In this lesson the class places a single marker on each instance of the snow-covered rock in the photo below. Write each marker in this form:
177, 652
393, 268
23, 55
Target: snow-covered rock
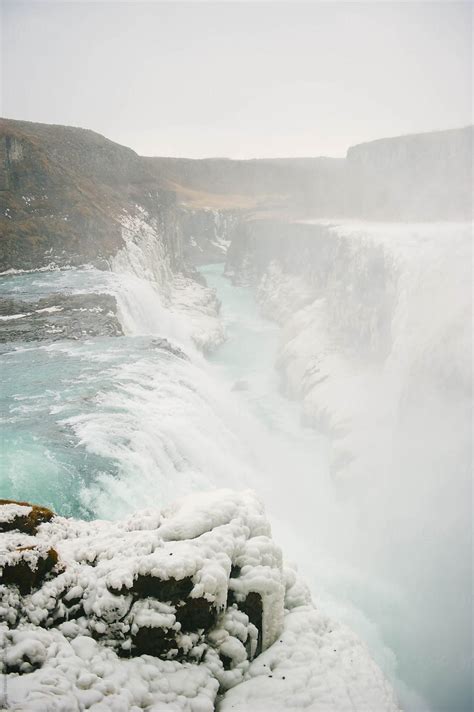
22, 516
171, 610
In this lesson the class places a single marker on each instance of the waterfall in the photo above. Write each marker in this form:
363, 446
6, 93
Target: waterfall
152, 300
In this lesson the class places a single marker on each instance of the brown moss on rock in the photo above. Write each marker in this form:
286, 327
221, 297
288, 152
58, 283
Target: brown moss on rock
26, 523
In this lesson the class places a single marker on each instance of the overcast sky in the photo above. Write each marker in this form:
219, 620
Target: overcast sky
238, 79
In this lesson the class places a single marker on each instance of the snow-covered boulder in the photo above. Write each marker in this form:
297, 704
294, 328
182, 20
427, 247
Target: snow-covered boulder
170, 610
22, 516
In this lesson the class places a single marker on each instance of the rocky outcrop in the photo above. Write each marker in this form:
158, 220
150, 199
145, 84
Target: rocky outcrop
22, 516
165, 345
166, 608
65, 193
25, 567
206, 233
69, 196
165, 585
59, 316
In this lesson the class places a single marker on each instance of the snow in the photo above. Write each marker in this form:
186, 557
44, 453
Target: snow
78, 673
316, 664
14, 553
50, 310
9, 512
65, 646
9, 317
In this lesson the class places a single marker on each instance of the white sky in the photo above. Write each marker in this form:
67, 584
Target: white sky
238, 79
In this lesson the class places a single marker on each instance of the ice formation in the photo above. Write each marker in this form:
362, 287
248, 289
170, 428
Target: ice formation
189, 609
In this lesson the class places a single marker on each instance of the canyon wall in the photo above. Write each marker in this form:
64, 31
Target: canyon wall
65, 193
69, 196
418, 177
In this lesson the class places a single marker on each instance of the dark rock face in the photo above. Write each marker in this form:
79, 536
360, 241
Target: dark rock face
153, 641
206, 233
253, 607
171, 590
59, 316
196, 613
419, 177
25, 574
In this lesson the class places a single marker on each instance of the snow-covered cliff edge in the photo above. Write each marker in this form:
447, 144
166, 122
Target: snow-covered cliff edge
186, 609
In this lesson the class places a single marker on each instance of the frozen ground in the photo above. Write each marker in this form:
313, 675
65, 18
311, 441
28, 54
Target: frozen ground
170, 591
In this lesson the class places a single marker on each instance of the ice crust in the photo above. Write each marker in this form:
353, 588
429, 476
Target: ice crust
71, 644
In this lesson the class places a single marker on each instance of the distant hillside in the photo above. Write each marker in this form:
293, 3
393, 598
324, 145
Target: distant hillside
64, 191
417, 177
292, 185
